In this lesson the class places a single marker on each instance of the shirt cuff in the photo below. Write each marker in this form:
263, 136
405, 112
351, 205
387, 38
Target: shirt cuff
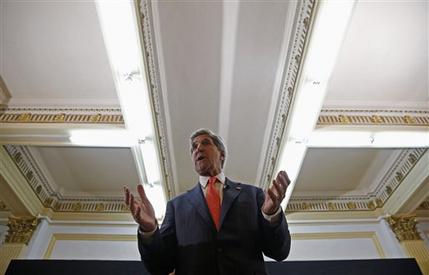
274, 217
146, 235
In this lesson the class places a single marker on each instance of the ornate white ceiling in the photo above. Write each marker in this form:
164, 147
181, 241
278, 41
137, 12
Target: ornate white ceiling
228, 66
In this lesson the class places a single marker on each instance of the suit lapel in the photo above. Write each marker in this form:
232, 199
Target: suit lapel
230, 192
197, 199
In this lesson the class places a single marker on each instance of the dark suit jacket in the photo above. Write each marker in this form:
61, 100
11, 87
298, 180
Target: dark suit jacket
189, 242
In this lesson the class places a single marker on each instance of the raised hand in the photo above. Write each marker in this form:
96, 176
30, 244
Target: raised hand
141, 209
275, 193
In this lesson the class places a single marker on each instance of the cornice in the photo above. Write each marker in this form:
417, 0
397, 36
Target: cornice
61, 115
18, 184
304, 21
374, 199
373, 117
153, 73
51, 199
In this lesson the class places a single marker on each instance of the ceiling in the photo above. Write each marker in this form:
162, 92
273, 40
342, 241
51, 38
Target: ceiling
233, 67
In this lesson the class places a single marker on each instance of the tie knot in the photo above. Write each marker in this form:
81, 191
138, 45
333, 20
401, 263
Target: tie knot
212, 180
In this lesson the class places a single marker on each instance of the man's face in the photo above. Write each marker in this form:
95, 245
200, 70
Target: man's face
207, 158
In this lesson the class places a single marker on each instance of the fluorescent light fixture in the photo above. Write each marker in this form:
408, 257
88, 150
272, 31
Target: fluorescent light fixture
121, 36
118, 20
150, 161
369, 139
326, 38
102, 138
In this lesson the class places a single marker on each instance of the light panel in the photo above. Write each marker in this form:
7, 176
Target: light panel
330, 24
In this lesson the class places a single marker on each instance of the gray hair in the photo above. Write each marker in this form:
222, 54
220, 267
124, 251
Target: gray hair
217, 140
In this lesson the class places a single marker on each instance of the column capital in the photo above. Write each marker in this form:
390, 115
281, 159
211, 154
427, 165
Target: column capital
404, 227
20, 229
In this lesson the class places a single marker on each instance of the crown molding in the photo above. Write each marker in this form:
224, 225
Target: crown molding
401, 168
61, 115
15, 188
159, 106
414, 189
305, 15
38, 185
386, 117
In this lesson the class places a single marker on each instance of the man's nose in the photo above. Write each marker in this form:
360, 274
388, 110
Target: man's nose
199, 147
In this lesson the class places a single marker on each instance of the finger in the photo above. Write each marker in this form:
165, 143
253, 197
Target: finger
127, 196
273, 196
281, 178
280, 188
137, 216
132, 205
142, 193
286, 177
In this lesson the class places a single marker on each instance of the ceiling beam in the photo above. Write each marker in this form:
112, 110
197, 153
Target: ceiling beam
330, 24
15, 192
412, 191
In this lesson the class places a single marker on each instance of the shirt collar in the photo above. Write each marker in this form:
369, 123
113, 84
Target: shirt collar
203, 180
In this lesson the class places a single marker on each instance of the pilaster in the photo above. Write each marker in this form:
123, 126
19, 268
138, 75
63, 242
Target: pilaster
405, 230
19, 234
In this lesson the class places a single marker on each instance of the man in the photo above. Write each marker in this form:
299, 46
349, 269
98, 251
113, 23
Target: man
218, 227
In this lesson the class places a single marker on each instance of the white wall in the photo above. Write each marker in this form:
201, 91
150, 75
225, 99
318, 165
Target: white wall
101, 241
311, 240
329, 240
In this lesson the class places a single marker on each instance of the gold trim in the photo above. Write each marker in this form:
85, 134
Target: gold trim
304, 20
342, 235
370, 201
84, 237
348, 119
404, 227
62, 117
20, 229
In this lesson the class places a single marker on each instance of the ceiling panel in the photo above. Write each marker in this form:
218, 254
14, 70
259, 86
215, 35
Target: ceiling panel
88, 171
383, 62
53, 54
342, 170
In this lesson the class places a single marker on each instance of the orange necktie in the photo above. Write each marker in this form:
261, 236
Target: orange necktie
213, 201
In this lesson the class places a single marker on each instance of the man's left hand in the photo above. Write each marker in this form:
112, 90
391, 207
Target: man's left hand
275, 194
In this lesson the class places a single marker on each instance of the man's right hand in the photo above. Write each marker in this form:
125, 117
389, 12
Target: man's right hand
141, 209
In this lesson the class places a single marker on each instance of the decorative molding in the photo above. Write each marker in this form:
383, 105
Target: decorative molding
391, 180
373, 117
85, 237
304, 21
20, 229
404, 227
342, 235
40, 185
61, 115
152, 65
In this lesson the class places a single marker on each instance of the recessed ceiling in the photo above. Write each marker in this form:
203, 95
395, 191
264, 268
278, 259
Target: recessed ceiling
220, 65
